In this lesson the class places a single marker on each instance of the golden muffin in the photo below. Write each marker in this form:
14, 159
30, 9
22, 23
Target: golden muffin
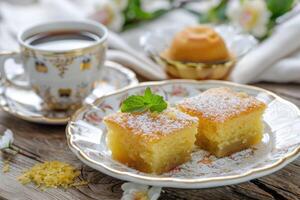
198, 52
198, 44
228, 121
151, 142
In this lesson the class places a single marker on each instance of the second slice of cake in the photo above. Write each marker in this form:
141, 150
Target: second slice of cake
228, 121
151, 142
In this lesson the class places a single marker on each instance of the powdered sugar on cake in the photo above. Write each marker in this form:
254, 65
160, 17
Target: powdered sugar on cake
220, 103
166, 122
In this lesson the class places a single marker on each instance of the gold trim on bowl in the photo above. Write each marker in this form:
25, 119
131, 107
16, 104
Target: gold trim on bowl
198, 71
173, 182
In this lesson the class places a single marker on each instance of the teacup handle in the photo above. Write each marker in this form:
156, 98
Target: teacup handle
16, 56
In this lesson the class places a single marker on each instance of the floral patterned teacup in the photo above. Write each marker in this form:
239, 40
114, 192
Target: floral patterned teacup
62, 74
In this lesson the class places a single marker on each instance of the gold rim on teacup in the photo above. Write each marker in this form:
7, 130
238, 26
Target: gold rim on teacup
49, 27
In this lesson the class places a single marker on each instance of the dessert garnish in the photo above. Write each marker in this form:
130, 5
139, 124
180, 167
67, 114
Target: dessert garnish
149, 101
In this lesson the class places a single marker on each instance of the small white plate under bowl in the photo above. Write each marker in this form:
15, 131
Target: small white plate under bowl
86, 136
27, 105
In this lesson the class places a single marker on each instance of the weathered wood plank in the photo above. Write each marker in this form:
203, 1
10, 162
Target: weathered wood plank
48, 145
285, 182
289, 92
245, 191
292, 90
10, 188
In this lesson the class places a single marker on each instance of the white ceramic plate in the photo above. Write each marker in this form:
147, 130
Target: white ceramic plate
86, 135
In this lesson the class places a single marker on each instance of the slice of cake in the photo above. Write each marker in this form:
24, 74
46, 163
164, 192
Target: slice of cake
151, 142
228, 121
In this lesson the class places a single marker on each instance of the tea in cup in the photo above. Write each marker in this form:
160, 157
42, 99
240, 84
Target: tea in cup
62, 61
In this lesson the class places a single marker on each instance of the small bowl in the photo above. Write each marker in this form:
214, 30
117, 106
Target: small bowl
238, 43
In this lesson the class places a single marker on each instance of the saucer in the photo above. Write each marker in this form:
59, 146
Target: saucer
27, 105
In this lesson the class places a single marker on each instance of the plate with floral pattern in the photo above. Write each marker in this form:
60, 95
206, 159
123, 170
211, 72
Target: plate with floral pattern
27, 105
86, 136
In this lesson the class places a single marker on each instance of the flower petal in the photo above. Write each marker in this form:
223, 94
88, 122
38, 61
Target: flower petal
108, 13
7, 139
250, 15
122, 4
154, 193
130, 186
128, 197
233, 10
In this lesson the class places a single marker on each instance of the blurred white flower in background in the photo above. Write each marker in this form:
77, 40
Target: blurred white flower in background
122, 4
134, 191
6, 139
153, 5
251, 15
109, 13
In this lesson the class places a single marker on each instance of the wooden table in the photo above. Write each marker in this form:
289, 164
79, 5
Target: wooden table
40, 143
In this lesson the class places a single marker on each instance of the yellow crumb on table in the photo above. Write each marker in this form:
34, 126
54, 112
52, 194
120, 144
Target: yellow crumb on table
52, 174
6, 166
141, 196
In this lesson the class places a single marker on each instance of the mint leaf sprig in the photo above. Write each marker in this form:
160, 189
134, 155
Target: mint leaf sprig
149, 101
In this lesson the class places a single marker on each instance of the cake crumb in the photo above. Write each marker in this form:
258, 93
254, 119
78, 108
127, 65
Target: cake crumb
6, 166
52, 174
205, 161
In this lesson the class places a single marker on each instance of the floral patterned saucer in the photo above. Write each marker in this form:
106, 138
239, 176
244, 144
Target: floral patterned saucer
86, 136
25, 104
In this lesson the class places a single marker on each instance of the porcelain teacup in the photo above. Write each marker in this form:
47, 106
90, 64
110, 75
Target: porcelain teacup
61, 75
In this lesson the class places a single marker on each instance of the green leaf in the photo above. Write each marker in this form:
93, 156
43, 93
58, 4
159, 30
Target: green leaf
134, 14
216, 14
150, 101
279, 7
158, 104
148, 95
133, 104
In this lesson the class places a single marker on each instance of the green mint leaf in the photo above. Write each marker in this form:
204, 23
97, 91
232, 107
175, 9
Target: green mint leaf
150, 101
158, 104
133, 103
148, 95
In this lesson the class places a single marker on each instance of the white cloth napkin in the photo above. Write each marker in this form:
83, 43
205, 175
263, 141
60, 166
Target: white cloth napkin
277, 59
274, 60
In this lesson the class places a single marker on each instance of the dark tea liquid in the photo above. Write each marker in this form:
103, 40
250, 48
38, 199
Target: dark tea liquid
62, 41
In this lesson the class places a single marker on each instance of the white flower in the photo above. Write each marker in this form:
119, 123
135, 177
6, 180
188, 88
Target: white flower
122, 4
251, 15
154, 5
108, 13
7, 139
134, 191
